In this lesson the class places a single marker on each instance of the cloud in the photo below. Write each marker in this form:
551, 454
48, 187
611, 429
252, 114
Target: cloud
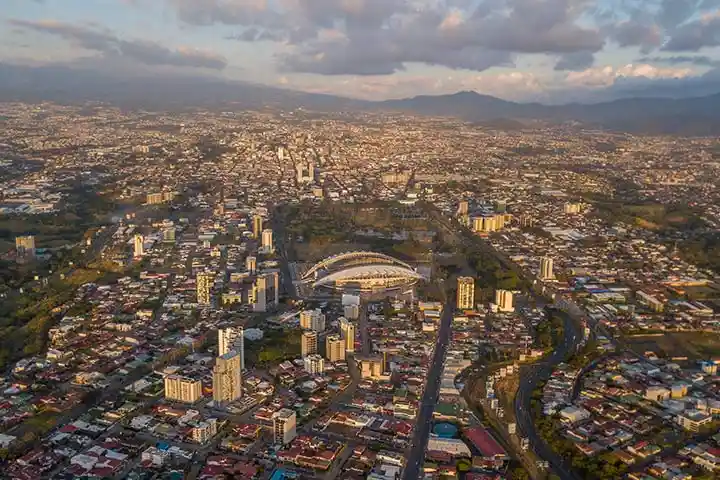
382, 36
700, 60
695, 35
105, 42
608, 75
575, 61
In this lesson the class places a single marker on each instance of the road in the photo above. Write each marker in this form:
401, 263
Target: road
432, 389
531, 376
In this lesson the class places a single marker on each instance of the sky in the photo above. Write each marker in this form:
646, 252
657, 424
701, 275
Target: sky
546, 50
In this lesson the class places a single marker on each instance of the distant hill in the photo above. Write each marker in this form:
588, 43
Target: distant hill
694, 116
64, 84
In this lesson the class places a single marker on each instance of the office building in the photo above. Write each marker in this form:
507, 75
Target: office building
25, 246
314, 364
232, 339
267, 241
284, 426
266, 292
466, 293
257, 226
251, 265
308, 343
347, 330
138, 246
182, 389
227, 378
312, 320
546, 268
334, 348
504, 300
203, 284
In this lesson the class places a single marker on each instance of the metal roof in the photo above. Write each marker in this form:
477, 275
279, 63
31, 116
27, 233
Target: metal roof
364, 272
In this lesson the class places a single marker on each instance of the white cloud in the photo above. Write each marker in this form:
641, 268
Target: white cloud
606, 76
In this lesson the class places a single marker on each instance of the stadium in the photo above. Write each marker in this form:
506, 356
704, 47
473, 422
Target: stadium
361, 271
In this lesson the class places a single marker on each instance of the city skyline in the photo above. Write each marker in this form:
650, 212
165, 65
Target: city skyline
372, 49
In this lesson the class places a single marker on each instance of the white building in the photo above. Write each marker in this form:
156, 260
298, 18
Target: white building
284, 426
314, 364
232, 338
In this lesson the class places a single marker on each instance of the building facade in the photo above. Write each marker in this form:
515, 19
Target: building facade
466, 293
232, 339
182, 389
334, 348
227, 378
284, 426
308, 343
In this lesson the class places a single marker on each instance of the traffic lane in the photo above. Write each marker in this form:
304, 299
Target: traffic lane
429, 399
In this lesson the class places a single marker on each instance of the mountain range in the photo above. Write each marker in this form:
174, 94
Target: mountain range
62, 84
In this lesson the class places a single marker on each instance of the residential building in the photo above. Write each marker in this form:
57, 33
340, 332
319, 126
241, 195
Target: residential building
693, 420
232, 339
371, 367
347, 330
284, 426
138, 246
154, 198
504, 300
266, 291
334, 348
251, 265
227, 378
314, 364
308, 343
203, 283
182, 389
466, 293
312, 320
257, 226
267, 241
546, 269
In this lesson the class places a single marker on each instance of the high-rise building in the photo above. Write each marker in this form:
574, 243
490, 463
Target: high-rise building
546, 268
203, 283
284, 425
504, 300
314, 364
334, 348
371, 367
463, 208
138, 246
232, 339
266, 291
25, 246
182, 389
466, 293
227, 378
251, 265
312, 320
351, 312
267, 240
308, 343
257, 226
347, 330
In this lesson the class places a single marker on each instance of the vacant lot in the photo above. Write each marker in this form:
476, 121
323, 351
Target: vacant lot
694, 346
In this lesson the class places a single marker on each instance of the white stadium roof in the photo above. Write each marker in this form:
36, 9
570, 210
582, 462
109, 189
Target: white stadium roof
369, 273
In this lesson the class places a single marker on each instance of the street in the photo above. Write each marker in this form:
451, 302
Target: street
432, 387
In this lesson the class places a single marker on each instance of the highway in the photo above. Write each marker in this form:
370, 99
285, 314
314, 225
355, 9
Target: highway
531, 376
432, 389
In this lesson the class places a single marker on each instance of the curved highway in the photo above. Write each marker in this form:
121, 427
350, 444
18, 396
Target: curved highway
530, 378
